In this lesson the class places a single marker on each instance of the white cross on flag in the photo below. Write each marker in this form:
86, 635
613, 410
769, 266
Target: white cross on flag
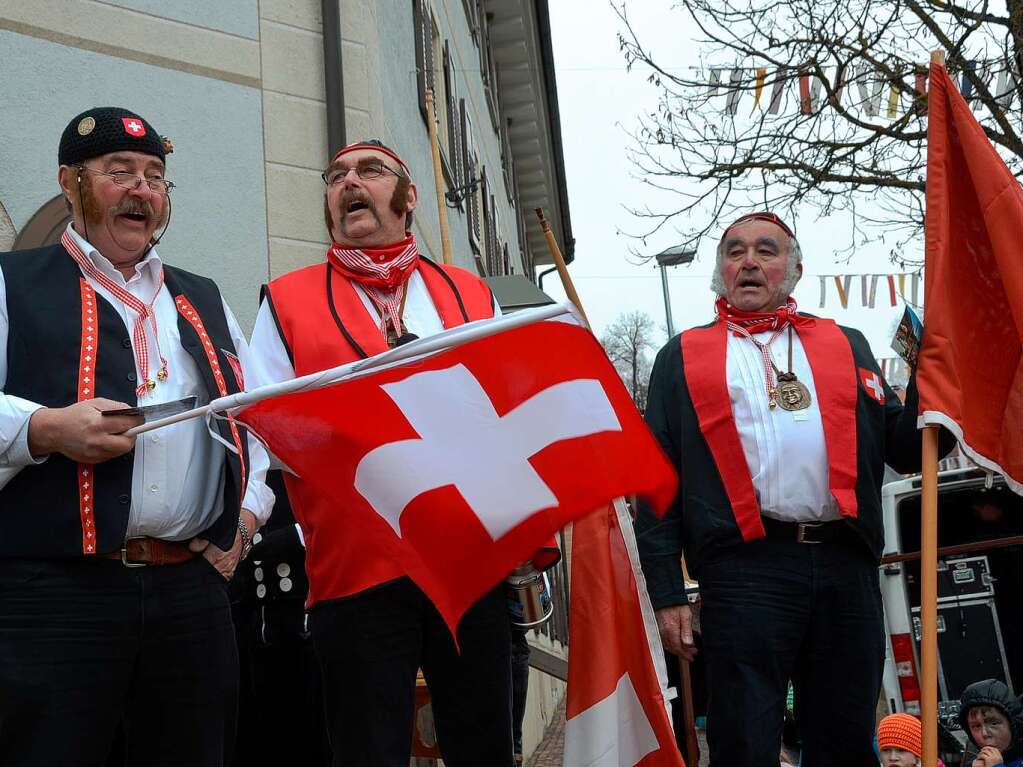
872, 384
461, 464
134, 126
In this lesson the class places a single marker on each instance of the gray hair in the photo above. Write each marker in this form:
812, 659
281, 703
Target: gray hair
717, 280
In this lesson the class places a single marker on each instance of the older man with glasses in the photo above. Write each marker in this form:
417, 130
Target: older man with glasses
114, 551
372, 627
780, 425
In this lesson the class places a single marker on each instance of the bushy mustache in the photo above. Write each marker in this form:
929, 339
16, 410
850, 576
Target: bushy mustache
132, 205
354, 195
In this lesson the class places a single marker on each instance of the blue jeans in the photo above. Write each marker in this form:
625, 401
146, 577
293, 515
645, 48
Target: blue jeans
87, 646
775, 610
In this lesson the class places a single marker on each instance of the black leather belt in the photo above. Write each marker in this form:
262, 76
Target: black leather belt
806, 532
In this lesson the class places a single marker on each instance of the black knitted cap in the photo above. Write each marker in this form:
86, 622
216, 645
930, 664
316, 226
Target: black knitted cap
102, 130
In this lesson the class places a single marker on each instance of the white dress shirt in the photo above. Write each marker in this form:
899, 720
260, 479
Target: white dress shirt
785, 450
177, 479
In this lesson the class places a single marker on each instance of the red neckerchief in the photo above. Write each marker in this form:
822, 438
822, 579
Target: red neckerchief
143, 312
704, 359
382, 272
762, 322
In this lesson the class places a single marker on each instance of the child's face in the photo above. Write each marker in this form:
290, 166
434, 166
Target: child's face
896, 757
989, 727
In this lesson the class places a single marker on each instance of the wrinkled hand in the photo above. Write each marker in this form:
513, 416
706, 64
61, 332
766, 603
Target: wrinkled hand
989, 756
81, 431
675, 624
225, 562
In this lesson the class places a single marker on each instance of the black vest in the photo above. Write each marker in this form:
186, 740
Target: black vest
39, 507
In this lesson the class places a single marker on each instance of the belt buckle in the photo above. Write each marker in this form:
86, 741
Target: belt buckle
124, 553
801, 529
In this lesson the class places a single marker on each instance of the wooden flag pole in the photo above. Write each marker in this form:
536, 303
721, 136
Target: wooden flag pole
688, 714
929, 595
559, 262
929, 580
438, 179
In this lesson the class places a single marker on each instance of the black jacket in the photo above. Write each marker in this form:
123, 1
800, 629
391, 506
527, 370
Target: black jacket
991, 692
700, 520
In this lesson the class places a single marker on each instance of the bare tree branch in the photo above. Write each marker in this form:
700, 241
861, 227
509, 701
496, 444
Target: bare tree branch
821, 104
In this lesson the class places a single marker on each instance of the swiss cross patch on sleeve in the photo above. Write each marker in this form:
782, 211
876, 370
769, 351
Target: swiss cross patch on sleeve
872, 384
133, 126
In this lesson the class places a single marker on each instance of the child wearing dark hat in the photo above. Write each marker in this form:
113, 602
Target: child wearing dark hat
992, 718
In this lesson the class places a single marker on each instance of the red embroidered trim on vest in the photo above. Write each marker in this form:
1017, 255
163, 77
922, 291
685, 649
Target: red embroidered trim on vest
89, 349
830, 357
189, 313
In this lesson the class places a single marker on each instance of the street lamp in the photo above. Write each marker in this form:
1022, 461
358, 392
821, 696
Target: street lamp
673, 256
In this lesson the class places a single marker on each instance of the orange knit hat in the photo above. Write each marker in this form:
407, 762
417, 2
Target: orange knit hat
900, 731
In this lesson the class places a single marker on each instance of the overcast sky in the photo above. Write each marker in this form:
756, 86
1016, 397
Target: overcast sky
598, 101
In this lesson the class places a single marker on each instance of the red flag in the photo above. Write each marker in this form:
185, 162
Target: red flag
616, 714
461, 464
969, 372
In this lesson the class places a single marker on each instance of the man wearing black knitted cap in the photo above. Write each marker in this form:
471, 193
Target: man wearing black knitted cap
372, 627
115, 551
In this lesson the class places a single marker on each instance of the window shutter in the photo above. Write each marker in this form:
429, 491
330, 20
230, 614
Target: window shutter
419, 27
454, 132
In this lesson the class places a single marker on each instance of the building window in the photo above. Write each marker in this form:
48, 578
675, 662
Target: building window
472, 19
422, 22
506, 162
452, 122
488, 70
470, 162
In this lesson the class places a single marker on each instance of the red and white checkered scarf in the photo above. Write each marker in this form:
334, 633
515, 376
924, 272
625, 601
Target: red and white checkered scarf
382, 272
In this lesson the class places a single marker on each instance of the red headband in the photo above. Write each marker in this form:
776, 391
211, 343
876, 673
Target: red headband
376, 148
767, 216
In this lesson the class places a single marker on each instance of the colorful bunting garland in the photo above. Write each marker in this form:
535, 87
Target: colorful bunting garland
869, 89
868, 288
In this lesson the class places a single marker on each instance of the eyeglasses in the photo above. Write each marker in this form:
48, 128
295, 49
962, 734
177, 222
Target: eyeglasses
367, 172
127, 180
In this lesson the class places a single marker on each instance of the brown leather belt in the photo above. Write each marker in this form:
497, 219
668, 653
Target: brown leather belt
139, 552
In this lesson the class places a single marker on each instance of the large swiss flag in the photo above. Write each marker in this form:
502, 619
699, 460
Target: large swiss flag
462, 464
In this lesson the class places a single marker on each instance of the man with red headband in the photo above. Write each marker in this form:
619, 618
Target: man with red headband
372, 627
780, 425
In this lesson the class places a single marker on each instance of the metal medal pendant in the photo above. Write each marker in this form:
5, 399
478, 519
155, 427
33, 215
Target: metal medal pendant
792, 393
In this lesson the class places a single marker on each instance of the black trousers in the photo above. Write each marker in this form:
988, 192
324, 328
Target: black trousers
88, 646
775, 610
281, 697
520, 683
370, 647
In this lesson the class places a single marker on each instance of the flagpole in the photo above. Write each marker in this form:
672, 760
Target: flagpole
472, 331
438, 179
929, 595
929, 579
559, 262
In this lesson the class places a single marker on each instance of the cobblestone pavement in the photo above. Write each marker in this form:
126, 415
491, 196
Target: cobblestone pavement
552, 748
